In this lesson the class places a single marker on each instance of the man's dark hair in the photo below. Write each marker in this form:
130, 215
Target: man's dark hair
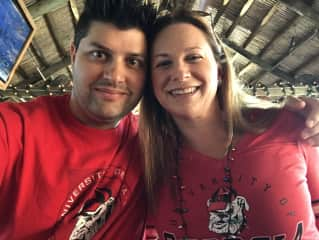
124, 14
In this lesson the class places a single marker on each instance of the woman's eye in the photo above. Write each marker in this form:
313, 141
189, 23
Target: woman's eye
164, 63
194, 57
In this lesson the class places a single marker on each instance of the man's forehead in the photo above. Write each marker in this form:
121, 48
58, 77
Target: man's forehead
110, 36
110, 27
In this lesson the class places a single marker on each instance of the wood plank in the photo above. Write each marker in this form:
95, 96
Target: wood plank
255, 59
302, 9
44, 7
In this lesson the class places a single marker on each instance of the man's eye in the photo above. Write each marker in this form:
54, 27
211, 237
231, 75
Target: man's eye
99, 55
162, 64
135, 62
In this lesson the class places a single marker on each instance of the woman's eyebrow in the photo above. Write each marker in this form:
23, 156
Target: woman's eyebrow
161, 55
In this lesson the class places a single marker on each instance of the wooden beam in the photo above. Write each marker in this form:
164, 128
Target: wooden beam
220, 12
280, 33
301, 42
244, 9
311, 60
57, 66
39, 82
44, 7
302, 9
37, 53
56, 41
20, 71
74, 11
261, 24
255, 59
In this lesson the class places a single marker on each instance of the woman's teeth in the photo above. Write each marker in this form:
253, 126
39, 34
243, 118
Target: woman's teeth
183, 91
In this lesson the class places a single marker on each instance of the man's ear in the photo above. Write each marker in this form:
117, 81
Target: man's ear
72, 52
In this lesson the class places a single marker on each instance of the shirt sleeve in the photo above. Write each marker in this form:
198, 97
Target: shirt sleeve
10, 142
312, 158
3, 150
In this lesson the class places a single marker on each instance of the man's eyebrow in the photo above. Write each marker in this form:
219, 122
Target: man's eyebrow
100, 46
138, 55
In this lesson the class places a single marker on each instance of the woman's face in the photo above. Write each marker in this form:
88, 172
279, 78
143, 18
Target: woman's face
184, 72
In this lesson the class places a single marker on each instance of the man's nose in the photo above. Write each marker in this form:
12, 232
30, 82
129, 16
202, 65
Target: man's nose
116, 71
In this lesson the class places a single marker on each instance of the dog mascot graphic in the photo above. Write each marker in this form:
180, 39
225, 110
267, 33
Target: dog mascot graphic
227, 212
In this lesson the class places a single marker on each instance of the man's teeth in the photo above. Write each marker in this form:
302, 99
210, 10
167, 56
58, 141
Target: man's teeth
183, 91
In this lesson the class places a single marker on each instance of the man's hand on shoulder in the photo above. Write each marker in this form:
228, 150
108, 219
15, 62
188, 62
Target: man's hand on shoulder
309, 108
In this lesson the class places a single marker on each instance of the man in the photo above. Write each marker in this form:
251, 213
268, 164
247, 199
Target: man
70, 165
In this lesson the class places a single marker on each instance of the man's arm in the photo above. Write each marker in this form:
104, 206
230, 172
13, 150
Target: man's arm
309, 108
312, 159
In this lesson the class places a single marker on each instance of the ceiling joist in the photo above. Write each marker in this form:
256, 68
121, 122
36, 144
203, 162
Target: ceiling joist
44, 7
302, 9
255, 59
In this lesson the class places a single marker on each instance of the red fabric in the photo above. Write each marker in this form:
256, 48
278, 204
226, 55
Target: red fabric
275, 179
52, 166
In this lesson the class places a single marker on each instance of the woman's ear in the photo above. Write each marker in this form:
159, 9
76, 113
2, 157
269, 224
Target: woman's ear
72, 52
220, 74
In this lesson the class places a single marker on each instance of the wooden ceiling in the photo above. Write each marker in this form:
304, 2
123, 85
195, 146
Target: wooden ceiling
274, 45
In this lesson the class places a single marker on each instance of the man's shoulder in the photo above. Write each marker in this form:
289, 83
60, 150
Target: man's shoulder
130, 122
37, 103
32, 110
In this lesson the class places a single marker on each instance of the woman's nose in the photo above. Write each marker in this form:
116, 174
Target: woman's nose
181, 73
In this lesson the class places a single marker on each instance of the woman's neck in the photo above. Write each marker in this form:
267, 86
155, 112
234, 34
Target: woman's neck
206, 135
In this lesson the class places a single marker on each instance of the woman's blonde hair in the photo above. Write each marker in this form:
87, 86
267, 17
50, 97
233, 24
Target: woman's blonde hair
160, 137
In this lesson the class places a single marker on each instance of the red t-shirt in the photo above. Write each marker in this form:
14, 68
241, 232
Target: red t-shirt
60, 179
275, 182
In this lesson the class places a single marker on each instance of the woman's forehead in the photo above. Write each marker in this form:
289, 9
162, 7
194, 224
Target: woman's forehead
179, 35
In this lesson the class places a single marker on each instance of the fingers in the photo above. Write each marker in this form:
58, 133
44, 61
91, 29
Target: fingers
309, 108
294, 103
311, 135
312, 115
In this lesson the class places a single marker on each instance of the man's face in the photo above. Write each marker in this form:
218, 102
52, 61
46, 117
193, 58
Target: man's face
108, 74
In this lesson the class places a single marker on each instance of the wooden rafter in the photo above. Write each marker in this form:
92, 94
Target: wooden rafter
260, 25
298, 44
311, 60
20, 71
35, 51
255, 59
220, 12
302, 9
74, 12
44, 7
56, 41
280, 33
244, 9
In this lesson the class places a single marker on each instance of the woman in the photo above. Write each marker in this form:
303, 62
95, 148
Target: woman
215, 167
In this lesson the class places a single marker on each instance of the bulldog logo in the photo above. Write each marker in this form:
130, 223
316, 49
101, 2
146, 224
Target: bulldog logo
227, 212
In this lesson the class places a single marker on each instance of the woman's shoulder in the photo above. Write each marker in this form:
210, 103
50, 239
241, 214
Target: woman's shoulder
286, 126
287, 120
282, 126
